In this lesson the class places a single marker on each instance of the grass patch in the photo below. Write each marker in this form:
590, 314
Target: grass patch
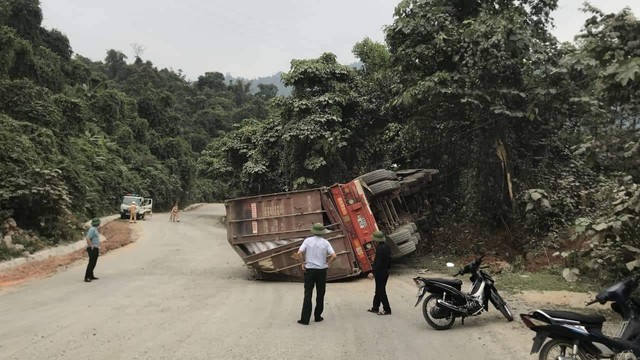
514, 281
542, 281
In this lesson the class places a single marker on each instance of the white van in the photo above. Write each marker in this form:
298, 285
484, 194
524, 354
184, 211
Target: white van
145, 206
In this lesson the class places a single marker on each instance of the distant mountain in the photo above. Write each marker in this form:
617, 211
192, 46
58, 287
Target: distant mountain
273, 79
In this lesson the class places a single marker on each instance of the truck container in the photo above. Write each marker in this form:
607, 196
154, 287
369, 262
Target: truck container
267, 230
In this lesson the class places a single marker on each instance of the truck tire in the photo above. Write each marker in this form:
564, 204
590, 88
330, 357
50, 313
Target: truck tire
401, 236
407, 172
420, 177
415, 239
407, 184
405, 249
412, 227
384, 186
375, 176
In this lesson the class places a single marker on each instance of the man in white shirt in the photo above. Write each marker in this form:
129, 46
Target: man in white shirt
315, 250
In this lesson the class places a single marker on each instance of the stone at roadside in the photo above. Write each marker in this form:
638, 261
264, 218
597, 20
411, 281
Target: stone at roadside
18, 247
26, 253
10, 223
7, 240
571, 275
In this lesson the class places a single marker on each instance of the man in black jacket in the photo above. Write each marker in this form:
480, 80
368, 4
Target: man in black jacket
381, 266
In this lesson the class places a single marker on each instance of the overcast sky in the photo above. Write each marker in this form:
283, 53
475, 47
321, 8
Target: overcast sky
246, 38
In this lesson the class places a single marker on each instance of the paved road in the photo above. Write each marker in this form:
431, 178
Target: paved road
180, 292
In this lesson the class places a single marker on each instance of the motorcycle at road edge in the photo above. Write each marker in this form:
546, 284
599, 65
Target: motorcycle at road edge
579, 336
446, 301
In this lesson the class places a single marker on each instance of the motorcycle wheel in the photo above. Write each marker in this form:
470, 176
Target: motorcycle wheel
439, 324
501, 305
560, 349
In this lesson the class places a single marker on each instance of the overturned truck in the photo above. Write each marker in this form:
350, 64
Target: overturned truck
267, 230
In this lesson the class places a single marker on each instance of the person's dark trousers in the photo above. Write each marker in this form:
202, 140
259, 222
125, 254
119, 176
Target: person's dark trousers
381, 293
93, 260
317, 278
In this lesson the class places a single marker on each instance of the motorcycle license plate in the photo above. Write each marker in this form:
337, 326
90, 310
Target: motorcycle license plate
420, 292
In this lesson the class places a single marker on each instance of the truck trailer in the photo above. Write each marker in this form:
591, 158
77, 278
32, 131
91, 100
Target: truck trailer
267, 230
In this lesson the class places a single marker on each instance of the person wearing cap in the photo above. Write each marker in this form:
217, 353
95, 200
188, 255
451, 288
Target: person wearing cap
314, 252
93, 249
174, 214
381, 265
133, 211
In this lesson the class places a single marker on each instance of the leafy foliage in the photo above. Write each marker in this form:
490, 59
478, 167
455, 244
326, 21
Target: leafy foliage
77, 135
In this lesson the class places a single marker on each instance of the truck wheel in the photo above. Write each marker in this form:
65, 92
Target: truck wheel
412, 227
378, 175
419, 176
401, 236
415, 239
408, 182
407, 172
384, 186
405, 249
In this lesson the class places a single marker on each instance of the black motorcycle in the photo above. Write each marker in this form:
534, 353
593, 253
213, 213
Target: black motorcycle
446, 301
579, 336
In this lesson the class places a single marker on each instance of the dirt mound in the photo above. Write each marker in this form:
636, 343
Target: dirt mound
118, 234
508, 245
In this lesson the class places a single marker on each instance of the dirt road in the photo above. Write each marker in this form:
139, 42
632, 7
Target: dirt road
181, 292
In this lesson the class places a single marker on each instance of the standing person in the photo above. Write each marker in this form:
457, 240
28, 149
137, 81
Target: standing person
174, 213
381, 265
315, 250
133, 212
93, 249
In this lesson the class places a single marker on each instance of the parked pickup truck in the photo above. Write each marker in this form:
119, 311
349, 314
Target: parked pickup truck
267, 230
144, 206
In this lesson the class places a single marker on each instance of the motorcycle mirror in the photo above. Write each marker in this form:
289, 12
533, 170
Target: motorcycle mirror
450, 265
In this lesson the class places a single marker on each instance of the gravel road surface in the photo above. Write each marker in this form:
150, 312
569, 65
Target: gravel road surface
181, 292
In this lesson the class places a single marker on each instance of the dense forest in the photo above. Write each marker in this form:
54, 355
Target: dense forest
76, 135
532, 137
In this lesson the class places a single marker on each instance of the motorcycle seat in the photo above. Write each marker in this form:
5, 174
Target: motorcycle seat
451, 282
568, 315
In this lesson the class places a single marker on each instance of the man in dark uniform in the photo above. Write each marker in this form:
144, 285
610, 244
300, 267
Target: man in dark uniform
381, 266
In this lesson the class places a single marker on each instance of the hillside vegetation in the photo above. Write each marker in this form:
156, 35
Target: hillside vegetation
76, 135
533, 138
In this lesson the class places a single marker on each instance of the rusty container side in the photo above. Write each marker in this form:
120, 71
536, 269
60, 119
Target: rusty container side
267, 230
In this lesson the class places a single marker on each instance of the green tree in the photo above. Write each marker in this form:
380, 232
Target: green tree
467, 65
317, 122
267, 91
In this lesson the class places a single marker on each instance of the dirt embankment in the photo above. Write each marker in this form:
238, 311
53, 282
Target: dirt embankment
118, 234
